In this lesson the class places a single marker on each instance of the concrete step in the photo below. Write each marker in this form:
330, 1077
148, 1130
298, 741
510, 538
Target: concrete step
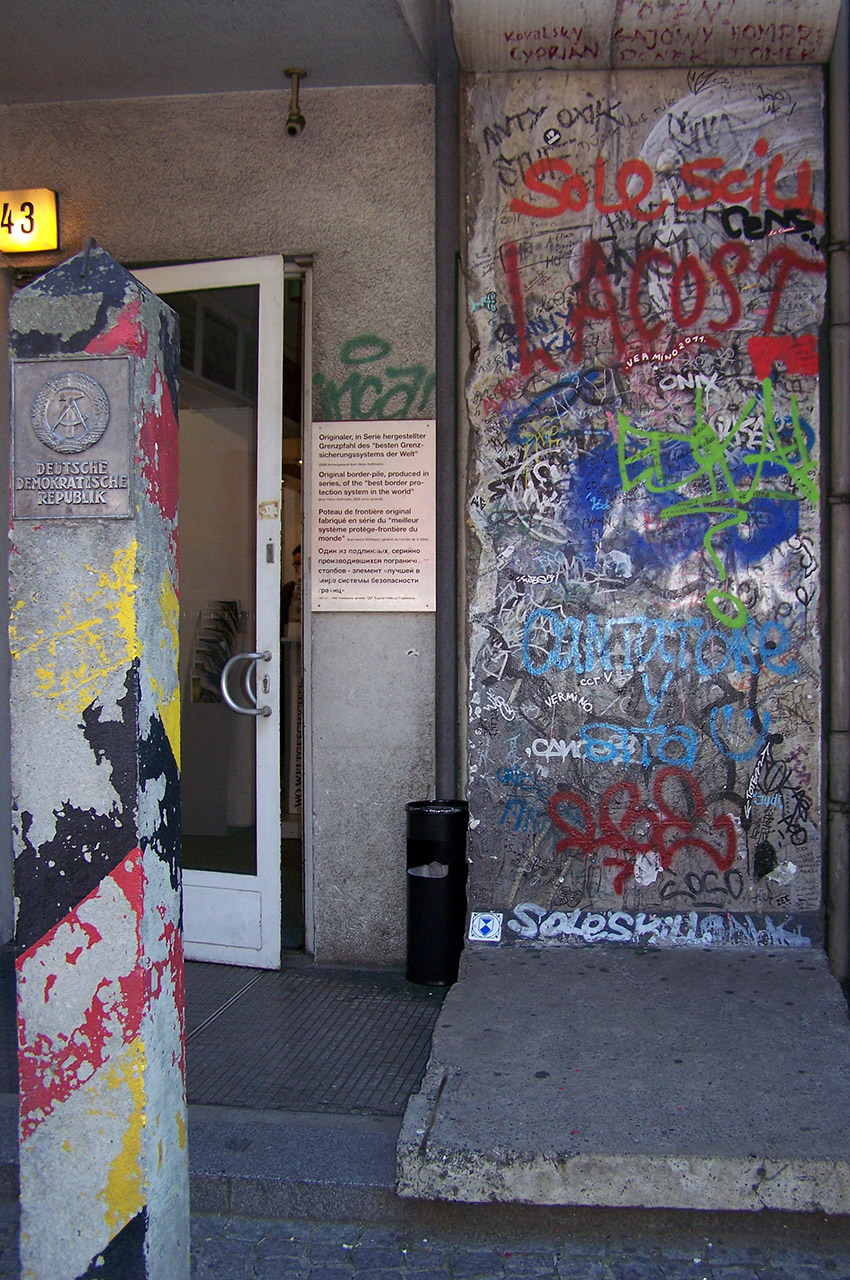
564, 1081
300, 1167
283, 1164
272, 1164
306, 1168
659, 1079
279, 1166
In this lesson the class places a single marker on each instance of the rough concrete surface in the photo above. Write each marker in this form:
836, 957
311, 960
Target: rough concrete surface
94, 699
655, 1079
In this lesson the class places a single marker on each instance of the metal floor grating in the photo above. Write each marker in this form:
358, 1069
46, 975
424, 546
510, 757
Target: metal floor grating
353, 1042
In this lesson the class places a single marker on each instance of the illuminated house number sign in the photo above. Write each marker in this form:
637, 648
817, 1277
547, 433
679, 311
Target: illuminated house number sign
28, 221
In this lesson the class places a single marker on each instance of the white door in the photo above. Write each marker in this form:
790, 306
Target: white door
231, 375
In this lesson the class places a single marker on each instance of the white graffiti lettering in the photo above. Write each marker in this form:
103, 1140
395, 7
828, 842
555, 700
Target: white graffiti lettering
686, 929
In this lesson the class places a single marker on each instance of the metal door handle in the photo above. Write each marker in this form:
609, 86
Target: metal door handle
252, 659
250, 691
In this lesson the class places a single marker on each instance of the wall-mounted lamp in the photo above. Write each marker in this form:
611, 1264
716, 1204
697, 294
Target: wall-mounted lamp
28, 221
295, 120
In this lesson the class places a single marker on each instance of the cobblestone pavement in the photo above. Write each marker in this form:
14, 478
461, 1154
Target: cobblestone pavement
249, 1249
234, 1250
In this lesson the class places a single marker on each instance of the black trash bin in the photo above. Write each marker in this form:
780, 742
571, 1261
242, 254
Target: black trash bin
436, 889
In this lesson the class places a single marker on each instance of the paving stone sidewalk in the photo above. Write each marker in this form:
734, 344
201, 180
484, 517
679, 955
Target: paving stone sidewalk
254, 1250
250, 1249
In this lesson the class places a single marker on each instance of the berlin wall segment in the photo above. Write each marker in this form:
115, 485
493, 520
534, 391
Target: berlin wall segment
95, 786
646, 280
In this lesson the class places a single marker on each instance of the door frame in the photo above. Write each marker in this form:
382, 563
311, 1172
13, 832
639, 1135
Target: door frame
305, 269
204, 887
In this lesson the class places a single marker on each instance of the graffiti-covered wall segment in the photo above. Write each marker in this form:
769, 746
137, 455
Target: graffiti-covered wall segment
646, 277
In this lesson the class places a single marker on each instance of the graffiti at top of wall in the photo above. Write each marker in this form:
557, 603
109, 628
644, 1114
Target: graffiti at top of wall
645, 287
373, 386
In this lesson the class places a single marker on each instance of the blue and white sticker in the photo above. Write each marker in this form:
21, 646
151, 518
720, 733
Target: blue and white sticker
485, 926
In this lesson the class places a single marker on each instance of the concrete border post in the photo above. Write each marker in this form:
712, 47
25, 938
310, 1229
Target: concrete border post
7, 915
95, 786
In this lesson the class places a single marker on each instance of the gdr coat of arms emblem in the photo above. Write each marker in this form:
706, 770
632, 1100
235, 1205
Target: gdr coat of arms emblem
70, 412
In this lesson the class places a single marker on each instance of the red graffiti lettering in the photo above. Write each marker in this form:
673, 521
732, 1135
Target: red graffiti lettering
787, 261
628, 203
799, 355
593, 271
649, 257
527, 358
669, 826
706, 182
690, 286
690, 174
572, 194
803, 197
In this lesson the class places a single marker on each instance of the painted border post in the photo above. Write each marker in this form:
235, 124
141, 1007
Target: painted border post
95, 783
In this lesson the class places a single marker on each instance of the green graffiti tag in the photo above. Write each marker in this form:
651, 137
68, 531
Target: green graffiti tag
394, 391
727, 474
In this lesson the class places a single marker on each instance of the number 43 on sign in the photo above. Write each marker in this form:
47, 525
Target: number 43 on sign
28, 221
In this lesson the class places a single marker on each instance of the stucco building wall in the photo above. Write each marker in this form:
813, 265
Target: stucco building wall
191, 178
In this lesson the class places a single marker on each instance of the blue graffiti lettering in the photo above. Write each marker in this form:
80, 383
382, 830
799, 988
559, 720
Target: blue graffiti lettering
552, 641
749, 753
678, 745
655, 703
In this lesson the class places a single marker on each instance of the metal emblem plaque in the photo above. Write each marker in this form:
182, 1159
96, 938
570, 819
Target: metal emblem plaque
71, 438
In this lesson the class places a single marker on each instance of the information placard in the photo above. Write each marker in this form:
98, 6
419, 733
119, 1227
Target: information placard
373, 525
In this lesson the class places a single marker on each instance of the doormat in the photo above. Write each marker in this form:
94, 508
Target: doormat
353, 1042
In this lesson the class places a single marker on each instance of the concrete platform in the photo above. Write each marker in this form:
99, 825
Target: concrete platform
661, 1079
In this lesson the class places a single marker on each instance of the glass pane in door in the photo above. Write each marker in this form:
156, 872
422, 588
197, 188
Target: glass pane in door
218, 474
291, 623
